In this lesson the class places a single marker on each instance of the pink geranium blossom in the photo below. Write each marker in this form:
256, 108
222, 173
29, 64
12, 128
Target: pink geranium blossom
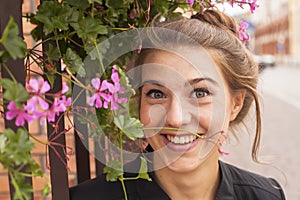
20, 114
191, 2
253, 5
99, 93
115, 89
59, 105
65, 88
243, 35
37, 88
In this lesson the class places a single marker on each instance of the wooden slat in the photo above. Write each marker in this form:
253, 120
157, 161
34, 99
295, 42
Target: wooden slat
57, 158
13, 8
81, 142
100, 154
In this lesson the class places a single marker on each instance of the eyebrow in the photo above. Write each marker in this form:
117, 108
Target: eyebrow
154, 82
197, 80
191, 82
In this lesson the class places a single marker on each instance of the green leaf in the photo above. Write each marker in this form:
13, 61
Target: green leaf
14, 44
14, 91
4, 55
113, 170
17, 148
37, 32
46, 189
93, 1
51, 78
82, 4
89, 28
53, 53
74, 62
53, 15
130, 126
2, 143
117, 4
143, 170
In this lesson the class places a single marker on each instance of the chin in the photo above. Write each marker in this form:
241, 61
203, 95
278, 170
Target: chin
185, 165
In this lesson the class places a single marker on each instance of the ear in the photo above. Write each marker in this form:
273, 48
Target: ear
237, 103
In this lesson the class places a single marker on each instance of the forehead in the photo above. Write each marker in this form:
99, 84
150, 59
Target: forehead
184, 63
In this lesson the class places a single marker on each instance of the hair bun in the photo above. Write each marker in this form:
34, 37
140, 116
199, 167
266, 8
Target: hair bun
218, 19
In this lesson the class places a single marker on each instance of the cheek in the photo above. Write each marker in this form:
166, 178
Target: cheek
152, 115
204, 117
212, 117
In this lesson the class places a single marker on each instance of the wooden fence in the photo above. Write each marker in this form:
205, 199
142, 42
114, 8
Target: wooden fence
58, 171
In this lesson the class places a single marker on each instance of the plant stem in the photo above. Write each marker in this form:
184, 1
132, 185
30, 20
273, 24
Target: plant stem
100, 59
9, 72
38, 140
76, 81
175, 129
124, 187
15, 184
121, 160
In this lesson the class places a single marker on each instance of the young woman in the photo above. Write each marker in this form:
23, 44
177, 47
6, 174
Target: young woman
197, 82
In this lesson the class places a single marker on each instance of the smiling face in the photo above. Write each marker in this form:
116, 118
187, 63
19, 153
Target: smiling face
185, 94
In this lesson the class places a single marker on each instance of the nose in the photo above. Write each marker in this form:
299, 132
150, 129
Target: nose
177, 113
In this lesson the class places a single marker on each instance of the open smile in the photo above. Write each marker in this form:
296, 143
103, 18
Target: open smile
176, 139
181, 142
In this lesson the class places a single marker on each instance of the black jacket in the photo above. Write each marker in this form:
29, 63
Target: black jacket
236, 184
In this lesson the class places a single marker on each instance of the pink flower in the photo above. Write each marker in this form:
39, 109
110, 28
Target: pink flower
253, 5
37, 88
191, 2
99, 94
19, 113
59, 105
115, 89
65, 88
241, 28
132, 14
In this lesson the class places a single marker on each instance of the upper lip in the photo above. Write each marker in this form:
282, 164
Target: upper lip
177, 133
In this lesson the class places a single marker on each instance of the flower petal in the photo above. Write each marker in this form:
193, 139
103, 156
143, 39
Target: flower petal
96, 83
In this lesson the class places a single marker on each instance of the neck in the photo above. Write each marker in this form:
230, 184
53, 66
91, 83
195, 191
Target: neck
200, 183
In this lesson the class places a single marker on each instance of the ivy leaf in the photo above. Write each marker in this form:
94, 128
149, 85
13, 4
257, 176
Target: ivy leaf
46, 189
130, 126
2, 143
14, 91
116, 4
143, 170
17, 148
89, 28
4, 55
82, 4
93, 1
25, 190
53, 53
14, 44
74, 62
53, 15
113, 170
51, 77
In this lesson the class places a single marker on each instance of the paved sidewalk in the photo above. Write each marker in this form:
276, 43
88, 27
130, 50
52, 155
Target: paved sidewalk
280, 146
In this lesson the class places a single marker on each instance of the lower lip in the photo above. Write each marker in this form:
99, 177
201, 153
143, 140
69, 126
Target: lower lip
180, 147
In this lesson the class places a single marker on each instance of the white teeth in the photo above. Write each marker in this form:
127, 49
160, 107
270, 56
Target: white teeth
181, 139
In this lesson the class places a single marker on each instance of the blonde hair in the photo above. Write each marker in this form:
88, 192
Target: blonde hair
217, 33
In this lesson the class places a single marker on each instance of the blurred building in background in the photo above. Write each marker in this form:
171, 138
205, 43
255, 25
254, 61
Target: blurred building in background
277, 29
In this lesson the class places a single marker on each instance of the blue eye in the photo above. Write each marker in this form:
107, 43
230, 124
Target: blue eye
156, 94
200, 93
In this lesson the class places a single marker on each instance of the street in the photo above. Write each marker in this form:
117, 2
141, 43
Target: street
280, 145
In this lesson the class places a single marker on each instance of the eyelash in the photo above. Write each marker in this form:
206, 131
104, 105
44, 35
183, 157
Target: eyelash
203, 90
152, 92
